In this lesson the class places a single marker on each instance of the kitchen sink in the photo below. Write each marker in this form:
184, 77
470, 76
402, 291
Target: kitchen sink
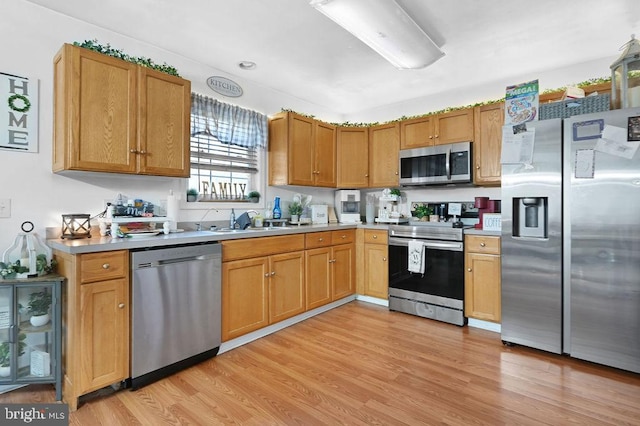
234, 231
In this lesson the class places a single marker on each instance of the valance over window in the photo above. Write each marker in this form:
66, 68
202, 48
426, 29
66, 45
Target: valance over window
228, 123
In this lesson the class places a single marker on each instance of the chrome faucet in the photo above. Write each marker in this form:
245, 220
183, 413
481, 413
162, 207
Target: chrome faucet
232, 219
199, 224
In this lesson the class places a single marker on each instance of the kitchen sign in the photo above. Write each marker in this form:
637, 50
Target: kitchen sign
224, 86
18, 113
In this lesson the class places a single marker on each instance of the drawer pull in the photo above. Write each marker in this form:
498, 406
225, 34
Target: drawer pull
482, 244
375, 237
121, 306
320, 239
343, 237
106, 266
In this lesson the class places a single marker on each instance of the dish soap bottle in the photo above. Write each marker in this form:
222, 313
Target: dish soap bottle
277, 213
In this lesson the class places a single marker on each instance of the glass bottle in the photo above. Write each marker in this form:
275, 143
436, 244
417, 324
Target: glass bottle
277, 213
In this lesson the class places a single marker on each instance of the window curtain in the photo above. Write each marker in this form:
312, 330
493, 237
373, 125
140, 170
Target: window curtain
228, 123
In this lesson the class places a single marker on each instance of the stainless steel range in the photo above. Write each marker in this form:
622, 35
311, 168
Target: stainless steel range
438, 292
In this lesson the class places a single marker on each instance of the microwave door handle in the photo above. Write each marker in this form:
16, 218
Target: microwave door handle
448, 164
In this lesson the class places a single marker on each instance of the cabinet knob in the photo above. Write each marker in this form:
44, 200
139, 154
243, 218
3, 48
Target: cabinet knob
343, 237
384, 259
469, 269
375, 237
143, 152
332, 261
396, 173
320, 239
133, 151
273, 273
430, 137
366, 175
266, 275
482, 244
106, 266
437, 136
121, 306
477, 167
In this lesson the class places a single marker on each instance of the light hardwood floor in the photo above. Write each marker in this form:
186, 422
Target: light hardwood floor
360, 364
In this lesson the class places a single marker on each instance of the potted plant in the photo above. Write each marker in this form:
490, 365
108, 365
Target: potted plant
396, 192
5, 354
39, 303
422, 212
254, 196
192, 195
295, 210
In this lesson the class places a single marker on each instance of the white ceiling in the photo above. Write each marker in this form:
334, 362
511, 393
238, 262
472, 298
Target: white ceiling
301, 52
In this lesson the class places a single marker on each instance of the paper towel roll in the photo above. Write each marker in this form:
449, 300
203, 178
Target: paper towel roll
173, 207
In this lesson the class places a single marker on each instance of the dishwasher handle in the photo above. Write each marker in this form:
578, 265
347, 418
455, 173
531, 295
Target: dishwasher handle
182, 260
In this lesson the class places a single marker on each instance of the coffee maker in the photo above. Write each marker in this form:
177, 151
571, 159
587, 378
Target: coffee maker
485, 205
347, 202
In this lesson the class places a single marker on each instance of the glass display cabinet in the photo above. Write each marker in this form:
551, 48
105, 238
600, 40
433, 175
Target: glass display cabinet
31, 331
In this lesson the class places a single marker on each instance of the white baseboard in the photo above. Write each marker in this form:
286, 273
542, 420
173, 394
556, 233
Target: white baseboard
250, 337
485, 325
374, 300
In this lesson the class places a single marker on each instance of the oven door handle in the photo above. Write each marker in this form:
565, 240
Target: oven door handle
438, 245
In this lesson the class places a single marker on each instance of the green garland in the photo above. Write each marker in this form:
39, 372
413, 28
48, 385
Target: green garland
449, 109
117, 53
24, 99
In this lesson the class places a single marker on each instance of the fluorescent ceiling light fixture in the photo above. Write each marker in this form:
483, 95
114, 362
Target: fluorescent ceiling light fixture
386, 28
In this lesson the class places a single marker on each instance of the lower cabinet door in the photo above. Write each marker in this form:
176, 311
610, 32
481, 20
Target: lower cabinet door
376, 271
318, 277
104, 333
482, 299
286, 286
343, 270
245, 298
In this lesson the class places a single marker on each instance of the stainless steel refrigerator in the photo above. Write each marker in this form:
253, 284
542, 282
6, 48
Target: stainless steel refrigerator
571, 240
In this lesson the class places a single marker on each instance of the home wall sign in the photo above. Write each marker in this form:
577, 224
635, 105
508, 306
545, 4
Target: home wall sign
18, 113
224, 86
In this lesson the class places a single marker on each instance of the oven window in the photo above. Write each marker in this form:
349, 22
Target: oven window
424, 166
443, 276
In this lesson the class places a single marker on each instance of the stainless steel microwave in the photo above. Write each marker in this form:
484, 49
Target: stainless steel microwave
436, 165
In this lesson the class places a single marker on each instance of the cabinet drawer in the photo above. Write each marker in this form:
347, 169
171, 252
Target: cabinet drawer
376, 236
104, 266
343, 237
262, 246
317, 239
482, 244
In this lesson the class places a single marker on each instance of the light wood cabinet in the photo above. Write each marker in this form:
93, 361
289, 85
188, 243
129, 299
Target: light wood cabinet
117, 117
375, 262
482, 294
302, 151
329, 266
487, 145
95, 321
437, 129
384, 146
261, 283
353, 157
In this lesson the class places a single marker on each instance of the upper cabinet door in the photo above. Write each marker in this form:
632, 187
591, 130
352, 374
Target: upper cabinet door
487, 145
384, 144
95, 112
325, 170
301, 150
454, 126
164, 124
417, 132
353, 157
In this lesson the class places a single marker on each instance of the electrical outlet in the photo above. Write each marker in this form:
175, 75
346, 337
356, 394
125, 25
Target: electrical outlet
5, 207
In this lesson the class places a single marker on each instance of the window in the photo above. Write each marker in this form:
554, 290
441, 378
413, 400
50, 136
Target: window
226, 145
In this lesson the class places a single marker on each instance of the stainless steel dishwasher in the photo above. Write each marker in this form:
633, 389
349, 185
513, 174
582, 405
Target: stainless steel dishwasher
176, 309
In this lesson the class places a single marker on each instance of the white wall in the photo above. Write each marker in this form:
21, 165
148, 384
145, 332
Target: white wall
31, 36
